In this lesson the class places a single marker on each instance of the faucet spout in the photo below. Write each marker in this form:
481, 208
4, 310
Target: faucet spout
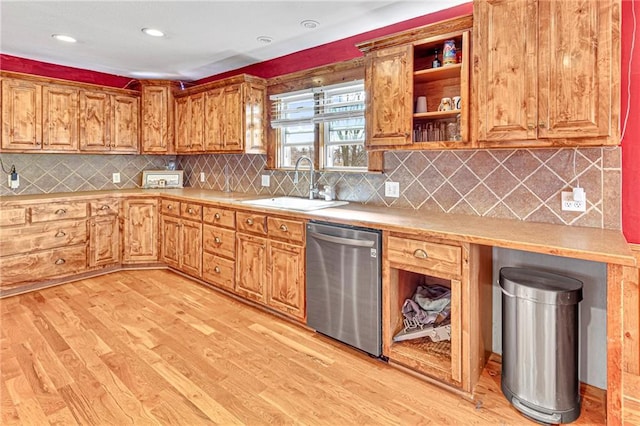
312, 184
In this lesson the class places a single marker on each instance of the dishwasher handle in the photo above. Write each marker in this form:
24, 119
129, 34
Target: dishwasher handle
341, 241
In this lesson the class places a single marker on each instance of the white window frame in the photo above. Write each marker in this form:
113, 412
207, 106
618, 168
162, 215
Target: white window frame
316, 114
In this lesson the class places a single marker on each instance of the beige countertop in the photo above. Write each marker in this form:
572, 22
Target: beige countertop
601, 245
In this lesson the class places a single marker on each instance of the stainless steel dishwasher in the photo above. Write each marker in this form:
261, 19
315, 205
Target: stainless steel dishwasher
344, 285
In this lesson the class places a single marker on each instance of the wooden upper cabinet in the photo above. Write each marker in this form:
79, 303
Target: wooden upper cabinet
189, 112
213, 119
545, 72
94, 121
254, 139
21, 115
125, 128
182, 124
388, 81
157, 117
232, 135
59, 118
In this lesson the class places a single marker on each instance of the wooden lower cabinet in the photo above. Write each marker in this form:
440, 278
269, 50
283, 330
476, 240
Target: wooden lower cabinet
140, 230
181, 236
251, 267
104, 241
630, 392
286, 279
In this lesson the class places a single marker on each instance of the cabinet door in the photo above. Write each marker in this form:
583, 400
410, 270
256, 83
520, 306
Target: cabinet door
196, 121
125, 128
251, 267
233, 129
104, 241
191, 248
94, 121
140, 239
388, 82
213, 120
170, 233
286, 291
577, 68
21, 115
157, 119
254, 101
505, 69
182, 124
60, 118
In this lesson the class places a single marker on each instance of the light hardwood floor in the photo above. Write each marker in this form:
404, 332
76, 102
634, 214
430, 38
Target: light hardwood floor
152, 347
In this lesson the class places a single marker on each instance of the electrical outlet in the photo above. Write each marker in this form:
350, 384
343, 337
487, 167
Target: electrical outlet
115, 178
392, 189
569, 203
13, 180
203, 178
266, 180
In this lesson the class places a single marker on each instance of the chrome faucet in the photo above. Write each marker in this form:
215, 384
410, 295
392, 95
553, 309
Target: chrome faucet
312, 184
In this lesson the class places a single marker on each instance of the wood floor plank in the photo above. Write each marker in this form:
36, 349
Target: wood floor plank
153, 347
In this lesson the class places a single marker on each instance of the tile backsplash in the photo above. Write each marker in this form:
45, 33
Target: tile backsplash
523, 184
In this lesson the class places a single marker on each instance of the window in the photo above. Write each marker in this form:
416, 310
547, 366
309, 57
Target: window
327, 120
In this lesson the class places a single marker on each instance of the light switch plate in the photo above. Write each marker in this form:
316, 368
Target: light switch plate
392, 189
266, 180
115, 178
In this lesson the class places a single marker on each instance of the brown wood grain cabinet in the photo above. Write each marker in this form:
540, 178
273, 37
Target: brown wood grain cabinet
189, 113
251, 267
59, 118
629, 395
157, 117
104, 233
546, 72
181, 236
108, 122
219, 247
140, 218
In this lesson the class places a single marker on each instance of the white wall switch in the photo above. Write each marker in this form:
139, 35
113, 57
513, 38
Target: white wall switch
569, 203
203, 178
115, 178
266, 180
392, 189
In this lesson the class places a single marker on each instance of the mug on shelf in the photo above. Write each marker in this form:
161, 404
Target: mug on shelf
421, 104
457, 102
445, 104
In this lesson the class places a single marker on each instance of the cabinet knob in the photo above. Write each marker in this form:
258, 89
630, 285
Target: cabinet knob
60, 233
217, 240
531, 126
420, 254
216, 216
542, 125
93, 224
105, 207
216, 270
59, 262
249, 221
169, 207
190, 210
61, 211
284, 228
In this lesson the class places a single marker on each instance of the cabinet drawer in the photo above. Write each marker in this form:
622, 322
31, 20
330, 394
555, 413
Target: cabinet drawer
290, 230
219, 217
40, 236
170, 207
219, 241
433, 256
13, 216
218, 271
254, 223
104, 207
42, 265
57, 211
191, 211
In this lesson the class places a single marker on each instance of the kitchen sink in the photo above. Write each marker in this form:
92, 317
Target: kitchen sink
294, 203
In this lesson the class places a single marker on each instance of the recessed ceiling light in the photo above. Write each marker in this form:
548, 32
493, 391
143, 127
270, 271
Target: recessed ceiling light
153, 32
65, 38
264, 39
309, 24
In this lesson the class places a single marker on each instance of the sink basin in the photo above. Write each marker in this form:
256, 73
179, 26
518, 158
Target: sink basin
294, 203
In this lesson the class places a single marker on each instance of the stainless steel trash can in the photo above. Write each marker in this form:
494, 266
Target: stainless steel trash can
540, 344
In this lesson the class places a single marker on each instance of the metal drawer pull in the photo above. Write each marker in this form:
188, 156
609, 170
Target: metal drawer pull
61, 233
216, 216
217, 240
61, 211
169, 207
420, 254
249, 221
59, 262
105, 207
216, 270
190, 210
340, 240
284, 228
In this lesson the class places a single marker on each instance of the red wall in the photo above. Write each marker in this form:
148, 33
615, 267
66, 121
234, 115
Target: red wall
631, 138
344, 49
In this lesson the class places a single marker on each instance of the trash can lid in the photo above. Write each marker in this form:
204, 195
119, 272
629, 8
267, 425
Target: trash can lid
540, 286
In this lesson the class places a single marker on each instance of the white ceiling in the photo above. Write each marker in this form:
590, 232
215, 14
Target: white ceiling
203, 38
